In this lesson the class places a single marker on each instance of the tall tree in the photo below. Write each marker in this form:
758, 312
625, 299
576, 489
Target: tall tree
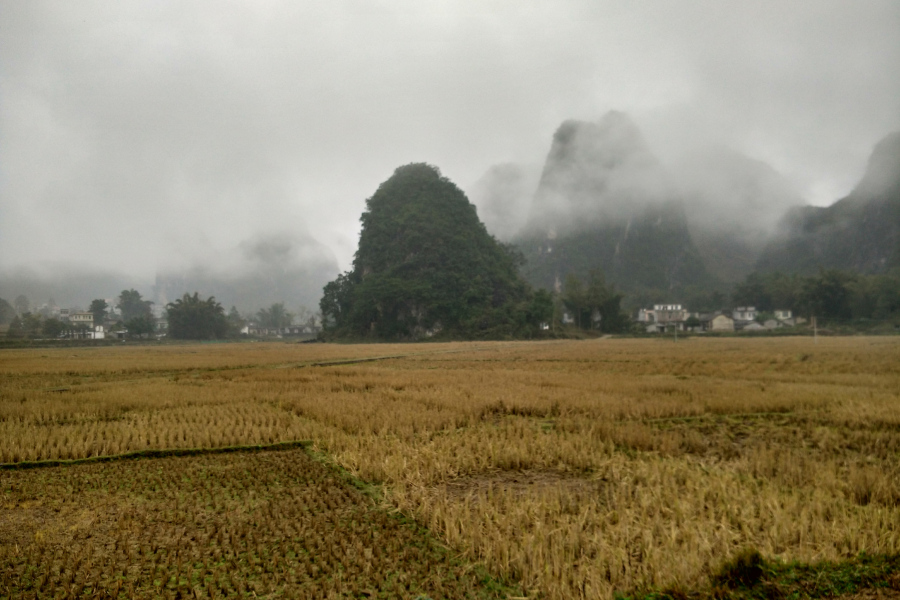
575, 298
595, 305
98, 309
131, 305
192, 318
53, 327
275, 316
141, 325
827, 295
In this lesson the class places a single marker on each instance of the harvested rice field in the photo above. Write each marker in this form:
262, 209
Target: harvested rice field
566, 469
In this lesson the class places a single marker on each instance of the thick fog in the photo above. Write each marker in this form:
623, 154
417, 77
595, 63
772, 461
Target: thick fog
152, 140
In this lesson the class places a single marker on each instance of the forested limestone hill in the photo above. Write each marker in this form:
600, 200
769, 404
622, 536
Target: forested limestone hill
426, 266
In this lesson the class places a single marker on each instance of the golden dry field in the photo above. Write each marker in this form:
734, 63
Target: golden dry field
569, 469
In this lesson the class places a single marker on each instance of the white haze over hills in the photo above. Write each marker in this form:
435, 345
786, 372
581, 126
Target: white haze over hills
503, 196
606, 171
272, 267
144, 142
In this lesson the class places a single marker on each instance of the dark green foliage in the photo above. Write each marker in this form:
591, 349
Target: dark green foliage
191, 318
141, 325
698, 299
98, 309
427, 266
594, 306
830, 295
744, 570
541, 309
53, 328
749, 576
769, 291
827, 295
132, 305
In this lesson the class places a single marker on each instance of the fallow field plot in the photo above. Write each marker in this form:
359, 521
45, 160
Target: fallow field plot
722, 466
245, 524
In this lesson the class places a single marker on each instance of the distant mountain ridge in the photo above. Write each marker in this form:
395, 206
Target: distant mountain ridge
860, 232
605, 201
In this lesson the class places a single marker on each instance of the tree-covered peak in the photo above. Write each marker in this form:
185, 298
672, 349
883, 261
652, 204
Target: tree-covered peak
415, 215
426, 265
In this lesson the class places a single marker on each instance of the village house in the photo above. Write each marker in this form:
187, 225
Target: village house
744, 314
716, 322
663, 316
259, 330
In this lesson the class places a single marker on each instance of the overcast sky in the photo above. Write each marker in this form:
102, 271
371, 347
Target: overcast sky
144, 135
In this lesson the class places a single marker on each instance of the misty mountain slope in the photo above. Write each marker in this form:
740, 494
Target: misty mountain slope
279, 267
425, 265
733, 205
860, 232
605, 201
503, 196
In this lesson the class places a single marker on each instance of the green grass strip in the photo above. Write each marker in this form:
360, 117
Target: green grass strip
749, 576
37, 464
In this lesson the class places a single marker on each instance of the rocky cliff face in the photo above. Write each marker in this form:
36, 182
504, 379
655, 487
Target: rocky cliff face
605, 201
858, 233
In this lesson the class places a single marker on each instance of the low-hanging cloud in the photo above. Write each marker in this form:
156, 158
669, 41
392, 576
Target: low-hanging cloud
150, 137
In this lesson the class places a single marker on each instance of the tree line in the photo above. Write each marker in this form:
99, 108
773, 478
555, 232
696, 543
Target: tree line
188, 317
830, 295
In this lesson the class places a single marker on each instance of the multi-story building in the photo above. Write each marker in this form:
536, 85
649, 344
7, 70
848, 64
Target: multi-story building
81, 317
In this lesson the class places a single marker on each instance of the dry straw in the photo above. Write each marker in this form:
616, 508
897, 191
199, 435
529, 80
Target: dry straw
649, 462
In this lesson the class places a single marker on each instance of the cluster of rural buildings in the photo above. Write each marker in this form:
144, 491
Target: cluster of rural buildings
668, 317
82, 325
256, 330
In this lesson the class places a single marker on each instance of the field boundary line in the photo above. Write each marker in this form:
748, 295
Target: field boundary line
707, 416
160, 453
350, 361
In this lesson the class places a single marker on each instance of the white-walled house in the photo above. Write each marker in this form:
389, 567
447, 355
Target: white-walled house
744, 313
